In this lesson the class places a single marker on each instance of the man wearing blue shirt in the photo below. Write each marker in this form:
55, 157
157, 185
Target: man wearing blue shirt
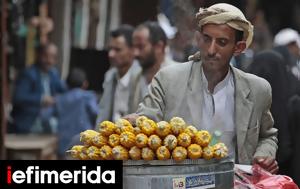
35, 89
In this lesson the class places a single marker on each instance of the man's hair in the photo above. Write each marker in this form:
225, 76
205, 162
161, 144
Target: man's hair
226, 14
156, 33
76, 78
239, 35
125, 31
42, 48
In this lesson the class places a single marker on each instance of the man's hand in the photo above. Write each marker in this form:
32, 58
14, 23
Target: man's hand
268, 163
47, 101
131, 118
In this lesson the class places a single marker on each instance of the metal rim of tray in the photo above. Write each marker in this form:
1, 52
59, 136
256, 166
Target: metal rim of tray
173, 162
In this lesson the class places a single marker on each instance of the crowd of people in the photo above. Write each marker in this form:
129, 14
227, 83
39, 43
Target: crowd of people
256, 109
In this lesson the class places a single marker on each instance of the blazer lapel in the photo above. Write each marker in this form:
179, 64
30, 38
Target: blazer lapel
108, 97
243, 110
194, 94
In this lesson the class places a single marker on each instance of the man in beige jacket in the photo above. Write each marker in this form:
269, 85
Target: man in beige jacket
149, 43
210, 94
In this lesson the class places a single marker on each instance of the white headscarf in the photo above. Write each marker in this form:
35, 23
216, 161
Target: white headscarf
223, 13
286, 36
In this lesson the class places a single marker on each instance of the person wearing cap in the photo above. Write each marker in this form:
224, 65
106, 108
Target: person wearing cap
290, 39
210, 94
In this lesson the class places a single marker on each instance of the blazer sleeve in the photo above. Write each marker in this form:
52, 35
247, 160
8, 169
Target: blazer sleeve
105, 105
59, 85
23, 94
153, 105
267, 143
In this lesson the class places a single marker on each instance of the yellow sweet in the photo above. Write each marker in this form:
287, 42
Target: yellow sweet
137, 130
114, 140
120, 153
99, 140
148, 127
123, 125
202, 138
177, 125
170, 142
93, 153
83, 154
135, 153
191, 130
127, 139
76, 150
139, 121
107, 128
194, 151
154, 142
147, 154
163, 128
163, 153
208, 153
179, 153
87, 136
141, 140
220, 151
184, 139
106, 152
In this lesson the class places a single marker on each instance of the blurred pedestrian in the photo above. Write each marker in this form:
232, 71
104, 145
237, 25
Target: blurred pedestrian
35, 89
115, 100
76, 110
149, 42
270, 66
290, 38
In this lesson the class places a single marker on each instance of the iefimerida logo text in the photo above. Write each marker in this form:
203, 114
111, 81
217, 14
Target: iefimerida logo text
33, 175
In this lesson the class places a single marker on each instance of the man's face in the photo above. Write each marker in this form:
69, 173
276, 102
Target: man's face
49, 57
294, 49
143, 49
217, 45
120, 54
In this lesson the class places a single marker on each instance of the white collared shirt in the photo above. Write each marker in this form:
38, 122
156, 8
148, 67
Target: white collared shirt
121, 97
45, 83
218, 110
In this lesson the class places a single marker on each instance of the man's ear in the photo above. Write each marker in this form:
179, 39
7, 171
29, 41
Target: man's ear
240, 46
160, 46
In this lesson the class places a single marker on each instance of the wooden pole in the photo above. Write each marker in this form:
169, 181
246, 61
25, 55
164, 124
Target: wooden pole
4, 81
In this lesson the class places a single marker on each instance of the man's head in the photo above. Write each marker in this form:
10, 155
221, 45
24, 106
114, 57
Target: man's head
291, 39
77, 79
149, 41
47, 56
223, 13
224, 32
120, 47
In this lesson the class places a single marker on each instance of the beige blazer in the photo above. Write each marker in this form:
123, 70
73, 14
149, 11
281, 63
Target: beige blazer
176, 91
109, 87
138, 87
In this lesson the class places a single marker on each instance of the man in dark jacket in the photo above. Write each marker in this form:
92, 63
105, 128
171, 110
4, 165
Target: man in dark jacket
35, 89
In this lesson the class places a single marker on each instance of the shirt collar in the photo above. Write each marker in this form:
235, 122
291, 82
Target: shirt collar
220, 85
124, 81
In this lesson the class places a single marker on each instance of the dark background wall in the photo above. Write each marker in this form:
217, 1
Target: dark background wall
95, 63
